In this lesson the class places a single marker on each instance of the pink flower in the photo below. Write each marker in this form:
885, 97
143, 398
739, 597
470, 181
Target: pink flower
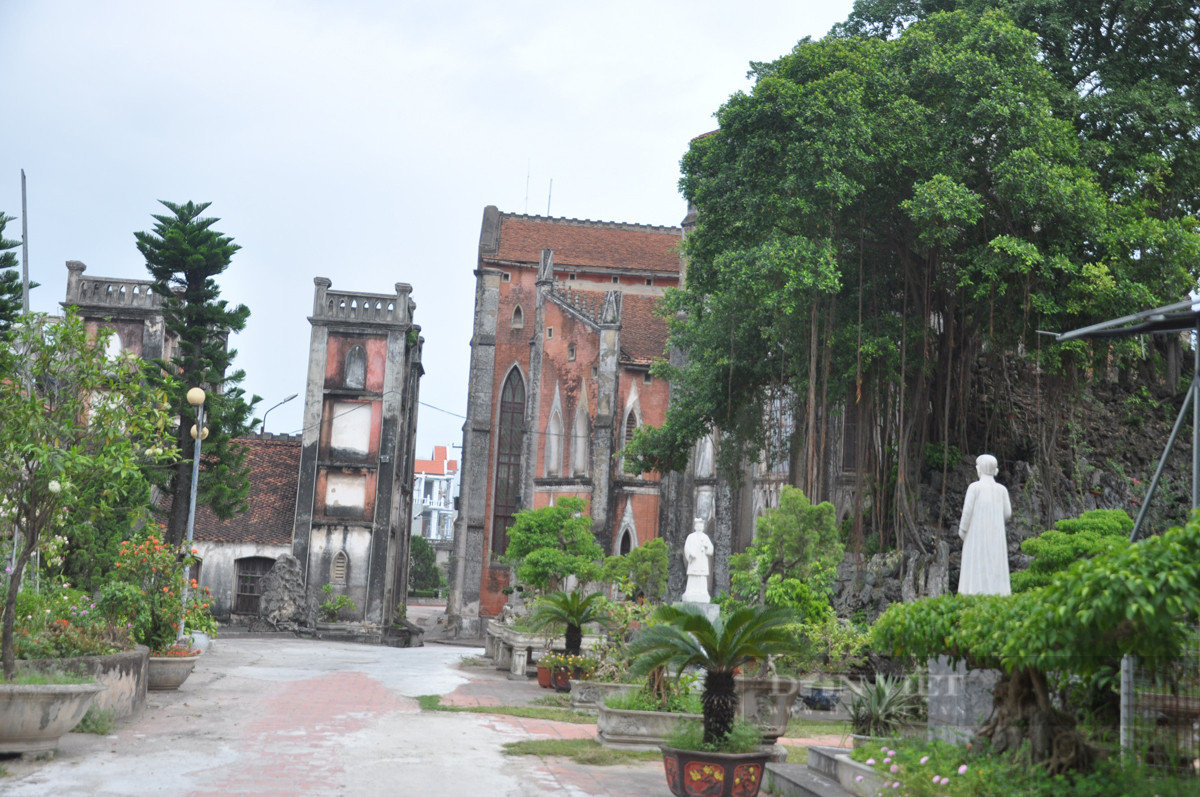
858, 779
962, 770
896, 785
870, 762
945, 781
887, 760
895, 769
925, 759
937, 779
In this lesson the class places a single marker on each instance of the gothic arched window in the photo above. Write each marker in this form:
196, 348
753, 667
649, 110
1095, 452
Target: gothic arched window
356, 369
554, 445
579, 443
518, 318
508, 458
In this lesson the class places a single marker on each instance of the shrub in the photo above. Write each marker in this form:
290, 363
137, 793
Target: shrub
554, 542
880, 709
642, 572
332, 606
1092, 533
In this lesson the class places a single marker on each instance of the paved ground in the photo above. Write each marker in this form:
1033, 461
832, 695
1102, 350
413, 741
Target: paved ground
283, 716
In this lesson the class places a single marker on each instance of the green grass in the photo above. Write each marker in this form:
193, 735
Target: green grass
557, 699
434, 703
797, 755
49, 678
581, 751
97, 720
801, 728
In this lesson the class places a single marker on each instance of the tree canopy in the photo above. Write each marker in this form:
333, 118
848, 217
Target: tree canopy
184, 255
641, 572
10, 279
877, 214
554, 542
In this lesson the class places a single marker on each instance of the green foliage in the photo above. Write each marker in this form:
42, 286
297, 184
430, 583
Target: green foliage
423, 573
184, 255
1092, 533
581, 751
50, 677
97, 720
881, 708
794, 557
333, 605
145, 591
938, 457
743, 737
59, 623
434, 703
10, 280
554, 542
1139, 601
678, 701
76, 426
642, 572
989, 775
570, 609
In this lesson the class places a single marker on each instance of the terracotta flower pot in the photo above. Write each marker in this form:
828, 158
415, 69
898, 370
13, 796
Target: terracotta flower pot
560, 679
695, 774
169, 672
544, 677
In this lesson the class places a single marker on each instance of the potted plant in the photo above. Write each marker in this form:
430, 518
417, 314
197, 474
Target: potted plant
76, 424
563, 667
146, 591
883, 710
570, 609
716, 757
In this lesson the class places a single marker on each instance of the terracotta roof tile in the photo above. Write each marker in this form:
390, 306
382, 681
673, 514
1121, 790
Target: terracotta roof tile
274, 474
588, 243
643, 334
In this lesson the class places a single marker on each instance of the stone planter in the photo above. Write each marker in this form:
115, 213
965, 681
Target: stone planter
588, 695
512, 650
169, 672
622, 729
125, 676
696, 774
766, 702
33, 718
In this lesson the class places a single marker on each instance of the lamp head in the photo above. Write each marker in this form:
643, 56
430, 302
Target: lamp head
195, 397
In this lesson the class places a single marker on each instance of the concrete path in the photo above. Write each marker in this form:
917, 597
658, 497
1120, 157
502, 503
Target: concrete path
281, 716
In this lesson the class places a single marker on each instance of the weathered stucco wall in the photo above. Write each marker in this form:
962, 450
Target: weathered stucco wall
325, 542
218, 569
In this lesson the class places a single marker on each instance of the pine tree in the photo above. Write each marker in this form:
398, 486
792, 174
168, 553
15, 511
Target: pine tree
184, 254
10, 280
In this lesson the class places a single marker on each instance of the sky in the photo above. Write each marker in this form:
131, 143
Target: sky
358, 141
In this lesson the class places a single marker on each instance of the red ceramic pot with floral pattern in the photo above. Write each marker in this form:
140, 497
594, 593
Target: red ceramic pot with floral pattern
695, 774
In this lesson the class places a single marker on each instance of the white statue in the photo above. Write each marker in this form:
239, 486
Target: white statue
985, 546
696, 550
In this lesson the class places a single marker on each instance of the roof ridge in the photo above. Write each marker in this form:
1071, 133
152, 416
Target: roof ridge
603, 225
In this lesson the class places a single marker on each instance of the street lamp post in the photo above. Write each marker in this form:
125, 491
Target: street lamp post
263, 431
195, 397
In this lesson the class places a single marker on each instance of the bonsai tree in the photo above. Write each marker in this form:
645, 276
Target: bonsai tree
573, 611
75, 423
687, 638
642, 572
549, 544
1142, 600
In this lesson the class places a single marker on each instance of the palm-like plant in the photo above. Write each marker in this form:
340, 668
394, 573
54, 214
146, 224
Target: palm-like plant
881, 709
688, 638
572, 610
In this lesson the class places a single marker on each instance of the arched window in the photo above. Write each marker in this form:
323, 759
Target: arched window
554, 446
508, 458
631, 425
626, 541
356, 369
518, 318
113, 348
579, 443
338, 568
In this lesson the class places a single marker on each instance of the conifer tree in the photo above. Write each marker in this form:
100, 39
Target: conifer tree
184, 255
10, 280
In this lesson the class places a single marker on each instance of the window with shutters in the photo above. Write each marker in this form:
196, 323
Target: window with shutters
249, 573
508, 459
338, 568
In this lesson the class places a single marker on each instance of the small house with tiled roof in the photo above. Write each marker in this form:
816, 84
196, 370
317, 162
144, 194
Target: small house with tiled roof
564, 338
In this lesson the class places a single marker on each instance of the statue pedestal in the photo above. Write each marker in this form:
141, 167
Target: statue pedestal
709, 610
960, 700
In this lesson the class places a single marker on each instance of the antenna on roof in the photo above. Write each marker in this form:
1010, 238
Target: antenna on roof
527, 165
548, 195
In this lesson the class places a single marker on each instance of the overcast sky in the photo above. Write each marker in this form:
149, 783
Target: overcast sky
358, 141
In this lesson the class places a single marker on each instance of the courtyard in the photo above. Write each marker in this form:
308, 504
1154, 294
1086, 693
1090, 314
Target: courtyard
283, 716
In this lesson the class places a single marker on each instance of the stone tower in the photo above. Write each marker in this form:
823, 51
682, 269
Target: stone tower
354, 497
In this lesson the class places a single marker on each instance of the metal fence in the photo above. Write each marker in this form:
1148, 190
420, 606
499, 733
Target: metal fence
1160, 712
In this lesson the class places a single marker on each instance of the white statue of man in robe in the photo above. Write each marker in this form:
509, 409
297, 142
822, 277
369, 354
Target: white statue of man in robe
985, 546
696, 550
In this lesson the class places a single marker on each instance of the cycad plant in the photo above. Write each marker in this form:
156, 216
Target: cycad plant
881, 708
573, 610
687, 638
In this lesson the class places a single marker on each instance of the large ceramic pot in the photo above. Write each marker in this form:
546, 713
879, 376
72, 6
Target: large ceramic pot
695, 774
169, 672
767, 703
544, 677
33, 718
